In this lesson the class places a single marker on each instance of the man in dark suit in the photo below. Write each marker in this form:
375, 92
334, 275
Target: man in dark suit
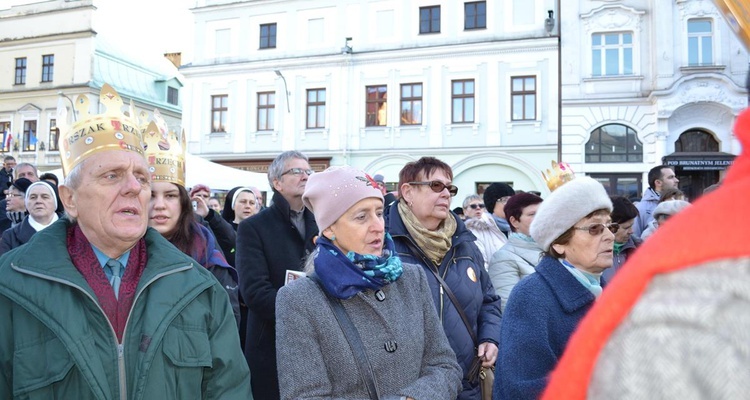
268, 244
6, 174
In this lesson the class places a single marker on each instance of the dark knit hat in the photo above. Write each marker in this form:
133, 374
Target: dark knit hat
22, 184
515, 205
495, 192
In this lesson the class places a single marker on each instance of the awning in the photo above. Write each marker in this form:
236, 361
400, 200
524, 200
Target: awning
699, 161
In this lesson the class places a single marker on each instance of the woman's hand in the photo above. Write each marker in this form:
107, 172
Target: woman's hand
488, 353
201, 208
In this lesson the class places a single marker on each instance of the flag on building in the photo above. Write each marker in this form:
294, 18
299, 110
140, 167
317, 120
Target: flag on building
8, 139
32, 137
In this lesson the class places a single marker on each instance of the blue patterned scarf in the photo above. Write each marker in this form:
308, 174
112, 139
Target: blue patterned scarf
343, 276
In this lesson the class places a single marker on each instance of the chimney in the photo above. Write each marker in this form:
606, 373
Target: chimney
174, 58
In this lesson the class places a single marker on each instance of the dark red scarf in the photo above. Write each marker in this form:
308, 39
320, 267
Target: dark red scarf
88, 265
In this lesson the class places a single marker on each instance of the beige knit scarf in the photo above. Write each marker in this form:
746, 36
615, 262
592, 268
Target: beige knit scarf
435, 244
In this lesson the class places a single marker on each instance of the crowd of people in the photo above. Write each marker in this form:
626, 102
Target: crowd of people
123, 282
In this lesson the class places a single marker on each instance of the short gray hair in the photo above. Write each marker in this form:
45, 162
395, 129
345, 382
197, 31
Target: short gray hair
74, 177
277, 166
25, 164
471, 198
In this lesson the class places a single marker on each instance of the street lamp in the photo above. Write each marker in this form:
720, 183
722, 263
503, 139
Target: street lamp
549, 26
286, 91
72, 106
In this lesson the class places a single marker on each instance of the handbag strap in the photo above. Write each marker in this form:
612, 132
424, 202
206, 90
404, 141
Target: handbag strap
352, 336
447, 290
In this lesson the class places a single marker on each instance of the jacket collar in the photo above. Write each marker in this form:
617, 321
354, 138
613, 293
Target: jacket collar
571, 295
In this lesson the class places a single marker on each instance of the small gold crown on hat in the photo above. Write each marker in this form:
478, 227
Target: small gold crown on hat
559, 175
165, 152
95, 133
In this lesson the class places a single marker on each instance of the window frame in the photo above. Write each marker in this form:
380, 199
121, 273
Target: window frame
411, 100
20, 71
54, 136
613, 185
431, 10
5, 131
173, 94
316, 105
590, 154
463, 98
269, 109
378, 102
621, 48
700, 36
220, 111
269, 37
476, 15
29, 128
523, 93
48, 67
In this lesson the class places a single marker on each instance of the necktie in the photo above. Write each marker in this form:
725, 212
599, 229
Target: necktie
114, 268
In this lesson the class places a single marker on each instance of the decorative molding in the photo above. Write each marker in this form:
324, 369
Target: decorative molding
697, 91
699, 9
612, 17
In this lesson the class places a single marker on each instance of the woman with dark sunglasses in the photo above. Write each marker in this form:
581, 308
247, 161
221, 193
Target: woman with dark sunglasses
574, 229
427, 233
489, 237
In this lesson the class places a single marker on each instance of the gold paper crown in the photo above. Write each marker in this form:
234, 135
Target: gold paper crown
559, 175
737, 15
96, 133
165, 152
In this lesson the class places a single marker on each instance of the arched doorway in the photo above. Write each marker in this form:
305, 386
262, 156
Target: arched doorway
697, 161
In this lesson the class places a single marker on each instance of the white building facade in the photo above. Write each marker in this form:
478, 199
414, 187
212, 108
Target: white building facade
376, 84
50, 53
647, 82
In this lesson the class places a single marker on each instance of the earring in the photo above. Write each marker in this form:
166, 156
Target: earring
333, 238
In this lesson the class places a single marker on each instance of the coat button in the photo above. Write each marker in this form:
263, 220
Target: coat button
380, 295
391, 346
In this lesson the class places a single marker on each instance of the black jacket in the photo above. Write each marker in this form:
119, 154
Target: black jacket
16, 236
224, 232
268, 244
5, 180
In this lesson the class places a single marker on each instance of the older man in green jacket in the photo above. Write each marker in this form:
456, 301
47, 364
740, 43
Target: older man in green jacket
98, 306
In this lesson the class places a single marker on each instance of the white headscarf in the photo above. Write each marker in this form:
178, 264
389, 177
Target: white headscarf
34, 223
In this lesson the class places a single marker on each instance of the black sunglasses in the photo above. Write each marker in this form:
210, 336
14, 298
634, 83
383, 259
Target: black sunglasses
475, 206
438, 187
597, 229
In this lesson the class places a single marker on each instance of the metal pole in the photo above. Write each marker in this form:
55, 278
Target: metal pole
72, 106
286, 91
559, 82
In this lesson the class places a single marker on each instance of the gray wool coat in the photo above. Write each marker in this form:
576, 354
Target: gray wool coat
314, 359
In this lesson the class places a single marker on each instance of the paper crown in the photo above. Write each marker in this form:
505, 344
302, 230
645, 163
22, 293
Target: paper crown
165, 152
559, 175
97, 133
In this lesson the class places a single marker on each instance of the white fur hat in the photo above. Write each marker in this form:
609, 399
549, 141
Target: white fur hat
566, 206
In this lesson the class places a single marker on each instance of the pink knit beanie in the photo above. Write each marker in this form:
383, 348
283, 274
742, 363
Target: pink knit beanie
329, 194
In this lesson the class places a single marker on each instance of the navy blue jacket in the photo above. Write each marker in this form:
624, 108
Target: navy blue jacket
542, 312
463, 270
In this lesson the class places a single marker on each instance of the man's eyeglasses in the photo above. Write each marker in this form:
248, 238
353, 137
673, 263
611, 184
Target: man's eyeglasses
11, 195
438, 187
298, 171
598, 229
475, 206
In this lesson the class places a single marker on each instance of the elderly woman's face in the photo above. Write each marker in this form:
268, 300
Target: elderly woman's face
361, 229
15, 200
474, 209
590, 253
527, 215
39, 203
430, 207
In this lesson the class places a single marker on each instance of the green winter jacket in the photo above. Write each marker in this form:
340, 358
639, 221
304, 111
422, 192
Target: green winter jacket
180, 341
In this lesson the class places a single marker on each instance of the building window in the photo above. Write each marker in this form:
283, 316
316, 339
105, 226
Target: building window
523, 98
376, 105
475, 15
21, 71
700, 42
614, 143
29, 135
173, 95
266, 110
429, 19
268, 36
48, 67
612, 54
7, 136
411, 104
316, 108
696, 141
628, 185
219, 108
54, 136
462, 94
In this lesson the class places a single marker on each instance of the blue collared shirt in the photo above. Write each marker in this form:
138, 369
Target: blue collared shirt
103, 258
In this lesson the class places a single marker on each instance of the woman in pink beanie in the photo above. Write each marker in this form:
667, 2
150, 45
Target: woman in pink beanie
401, 351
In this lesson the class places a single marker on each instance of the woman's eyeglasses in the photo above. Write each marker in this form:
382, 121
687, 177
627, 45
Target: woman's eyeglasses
438, 187
475, 206
598, 229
